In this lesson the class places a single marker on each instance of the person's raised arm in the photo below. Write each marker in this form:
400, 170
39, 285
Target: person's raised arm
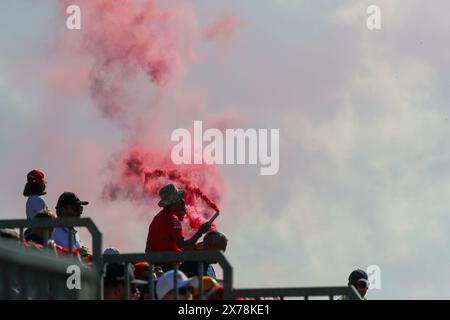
186, 245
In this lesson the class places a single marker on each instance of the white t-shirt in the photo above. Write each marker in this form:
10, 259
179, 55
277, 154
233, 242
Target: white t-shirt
35, 204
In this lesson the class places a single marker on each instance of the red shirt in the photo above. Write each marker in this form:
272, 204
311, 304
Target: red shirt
163, 232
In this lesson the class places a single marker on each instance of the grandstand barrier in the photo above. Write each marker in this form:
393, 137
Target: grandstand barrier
160, 257
306, 293
29, 273
96, 236
20, 265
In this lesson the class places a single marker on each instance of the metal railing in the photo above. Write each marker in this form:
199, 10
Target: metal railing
96, 235
38, 273
306, 293
162, 257
19, 259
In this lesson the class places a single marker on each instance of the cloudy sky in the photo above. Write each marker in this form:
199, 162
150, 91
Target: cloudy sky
364, 126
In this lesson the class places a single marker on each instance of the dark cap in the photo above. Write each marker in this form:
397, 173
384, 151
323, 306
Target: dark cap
69, 199
358, 275
115, 272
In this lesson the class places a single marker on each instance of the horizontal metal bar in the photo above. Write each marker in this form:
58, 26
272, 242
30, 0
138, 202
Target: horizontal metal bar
164, 256
39, 259
46, 223
292, 292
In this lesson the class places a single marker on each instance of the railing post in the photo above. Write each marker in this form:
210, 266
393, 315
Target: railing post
175, 281
151, 288
200, 280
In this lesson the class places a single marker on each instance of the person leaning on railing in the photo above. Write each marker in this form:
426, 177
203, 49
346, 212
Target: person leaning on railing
213, 241
165, 232
358, 279
39, 235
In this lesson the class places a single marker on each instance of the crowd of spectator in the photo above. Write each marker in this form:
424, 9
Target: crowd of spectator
165, 234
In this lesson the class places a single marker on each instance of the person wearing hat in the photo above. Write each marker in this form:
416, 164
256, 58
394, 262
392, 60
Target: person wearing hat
165, 286
68, 206
114, 282
33, 190
360, 280
165, 232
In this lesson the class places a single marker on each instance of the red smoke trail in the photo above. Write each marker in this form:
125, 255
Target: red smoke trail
141, 180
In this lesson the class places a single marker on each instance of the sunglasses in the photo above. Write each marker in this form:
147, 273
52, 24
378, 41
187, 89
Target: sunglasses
78, 208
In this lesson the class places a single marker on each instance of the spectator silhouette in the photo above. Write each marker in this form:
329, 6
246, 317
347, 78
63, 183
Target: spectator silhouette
358, 279
165, 232
68, 206
213, 241
33, 190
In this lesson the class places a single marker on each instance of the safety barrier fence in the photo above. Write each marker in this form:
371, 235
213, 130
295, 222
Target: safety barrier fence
306, 293
162, 257
29, 273
69, 223
19, 264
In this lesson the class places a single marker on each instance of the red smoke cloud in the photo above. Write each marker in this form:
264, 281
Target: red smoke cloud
133, 45
142, 174
224, 28
128, 37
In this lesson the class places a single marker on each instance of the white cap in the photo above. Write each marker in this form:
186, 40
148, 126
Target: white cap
165, 283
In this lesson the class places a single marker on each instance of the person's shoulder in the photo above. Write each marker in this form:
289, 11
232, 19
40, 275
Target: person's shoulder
36, 200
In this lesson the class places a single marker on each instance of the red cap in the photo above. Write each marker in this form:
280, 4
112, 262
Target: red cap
140, 268
35, 176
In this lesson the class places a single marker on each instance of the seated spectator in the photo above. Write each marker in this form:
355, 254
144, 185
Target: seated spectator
142, 272
165, 286
114, 284
33, 190
40, 235
68, 206
358, 279
213, 241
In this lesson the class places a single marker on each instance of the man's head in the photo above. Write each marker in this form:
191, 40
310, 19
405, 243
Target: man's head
172, 200
215, 241
165, 286
359, 279
69, 205
44, 233
114, 281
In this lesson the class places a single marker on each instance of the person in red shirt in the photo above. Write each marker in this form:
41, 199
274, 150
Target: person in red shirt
165, 232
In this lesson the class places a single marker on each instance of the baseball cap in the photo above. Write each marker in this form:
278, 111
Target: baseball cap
358, 275
69, 199
115, 272
165, 283
209, 284
35, 176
